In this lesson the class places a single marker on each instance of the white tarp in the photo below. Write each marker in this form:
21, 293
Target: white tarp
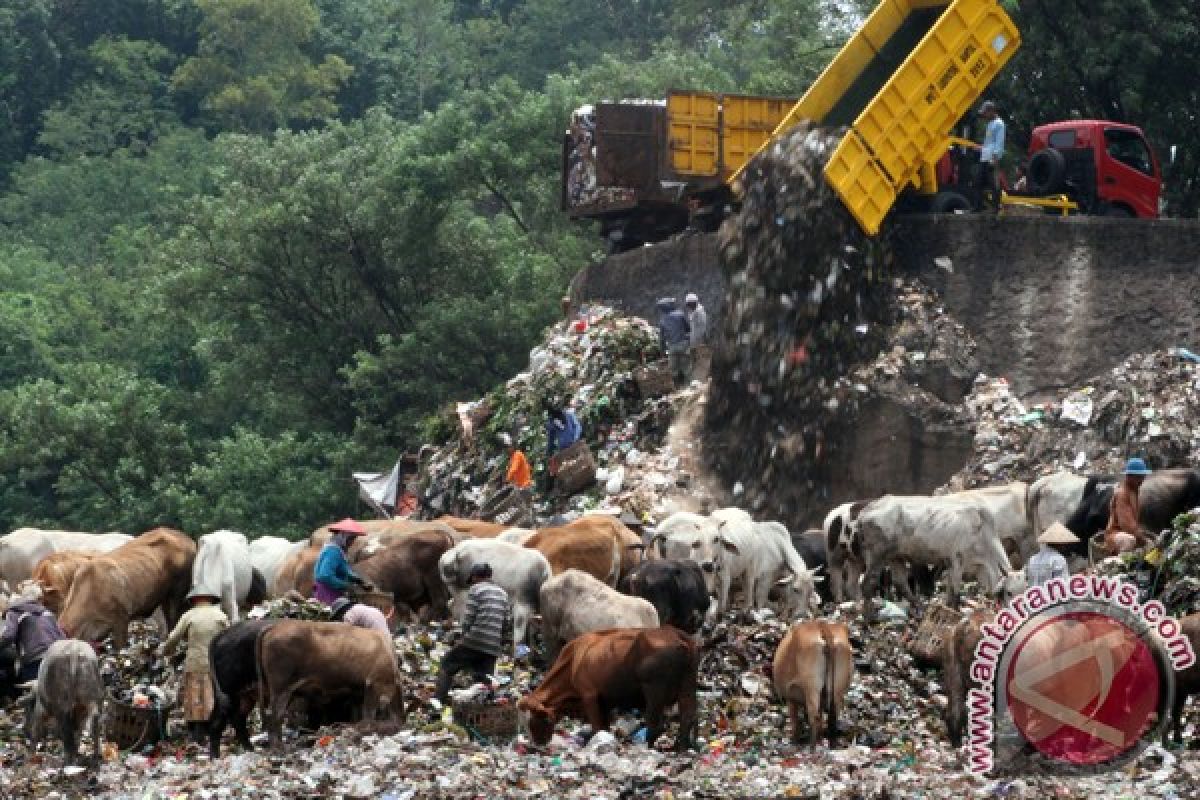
379, 489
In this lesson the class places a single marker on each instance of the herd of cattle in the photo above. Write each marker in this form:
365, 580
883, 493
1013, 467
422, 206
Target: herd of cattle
619, 610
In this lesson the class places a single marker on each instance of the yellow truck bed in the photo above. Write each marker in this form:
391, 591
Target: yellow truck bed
900, 84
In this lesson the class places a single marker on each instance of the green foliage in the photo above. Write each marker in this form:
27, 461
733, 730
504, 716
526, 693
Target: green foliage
251, 71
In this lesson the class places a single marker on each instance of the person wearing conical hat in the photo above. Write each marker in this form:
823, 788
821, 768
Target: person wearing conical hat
1048, 563
1124, 531
332, 575
199, 626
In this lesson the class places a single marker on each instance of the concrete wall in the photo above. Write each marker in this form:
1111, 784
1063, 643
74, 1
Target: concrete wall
1051, 301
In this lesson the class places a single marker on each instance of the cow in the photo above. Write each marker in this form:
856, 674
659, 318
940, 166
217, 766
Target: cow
21, 550
475, 528
1165, 495
409, 570
695, 537
68, 689
296, 572
1187, 682
363, 547
268, 555
957, 655
517, 536
1053, 498
56, 572
676, 590
574, 603
1007, 505
646, 669
813, 666
385, 528
756, 555
843, 554
232, 665
931, 531
594, 552
222, 566
153, 570
520, 571
319, 658
631, 544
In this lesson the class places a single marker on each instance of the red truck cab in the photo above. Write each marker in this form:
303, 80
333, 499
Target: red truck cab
1107, 167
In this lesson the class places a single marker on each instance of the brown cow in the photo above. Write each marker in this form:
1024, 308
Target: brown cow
1187, 682
409, 569
475, 528
631, 668
380, 533
580, 544
813, 666
958, 653
153, 570
56, 572
296, 572
322, 658
595, 552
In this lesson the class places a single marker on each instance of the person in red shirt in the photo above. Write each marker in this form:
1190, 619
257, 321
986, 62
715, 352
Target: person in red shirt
518, 479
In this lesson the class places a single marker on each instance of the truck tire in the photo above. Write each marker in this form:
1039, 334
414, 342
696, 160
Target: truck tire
1047, 169
949, 202
1118, 211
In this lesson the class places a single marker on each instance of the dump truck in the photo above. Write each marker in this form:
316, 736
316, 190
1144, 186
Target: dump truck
649, 169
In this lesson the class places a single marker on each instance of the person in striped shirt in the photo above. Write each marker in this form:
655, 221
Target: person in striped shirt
483, 632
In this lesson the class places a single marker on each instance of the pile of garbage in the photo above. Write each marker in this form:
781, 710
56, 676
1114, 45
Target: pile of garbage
293, 606
1168, 571
892, 744
136, 674
810, 298
590, 365
1144, 406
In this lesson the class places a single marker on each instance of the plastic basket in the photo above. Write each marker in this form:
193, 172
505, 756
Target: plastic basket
133, 727
935, 627
493, 722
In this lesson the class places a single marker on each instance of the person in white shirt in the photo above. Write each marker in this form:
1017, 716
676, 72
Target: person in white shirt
1048, 563
990, 155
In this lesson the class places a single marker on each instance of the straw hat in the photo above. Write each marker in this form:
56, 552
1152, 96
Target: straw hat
1058, 534
350, 526
202, 591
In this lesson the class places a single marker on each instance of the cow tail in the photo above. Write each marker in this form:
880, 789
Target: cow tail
830, 673
263, 689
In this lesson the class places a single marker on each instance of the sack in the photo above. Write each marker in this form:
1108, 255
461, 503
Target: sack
573, 468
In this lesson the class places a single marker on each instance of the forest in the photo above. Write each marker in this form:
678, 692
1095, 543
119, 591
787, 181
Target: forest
247, 246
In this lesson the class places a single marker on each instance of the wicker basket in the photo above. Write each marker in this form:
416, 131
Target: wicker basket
935, 626
654, 379
490, 721
574, 468
132, 727
384, 601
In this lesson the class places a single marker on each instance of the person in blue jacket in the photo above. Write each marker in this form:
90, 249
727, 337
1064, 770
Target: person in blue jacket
562, 431
332, 574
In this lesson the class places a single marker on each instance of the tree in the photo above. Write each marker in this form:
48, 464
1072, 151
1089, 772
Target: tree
29, 73
251, 72
1113, 59
125, 104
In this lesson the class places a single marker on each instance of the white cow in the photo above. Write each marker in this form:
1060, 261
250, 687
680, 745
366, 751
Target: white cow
267, 554
1053, 498
520, 571
517, 536
222, 565
1007, 505
934, 531
757, 554
21, 550
685, 535
574, 603
842, 562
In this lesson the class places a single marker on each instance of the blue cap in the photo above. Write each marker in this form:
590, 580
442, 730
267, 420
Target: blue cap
1136, 466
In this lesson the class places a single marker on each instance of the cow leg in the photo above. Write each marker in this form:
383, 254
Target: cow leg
216, 722
794, 719
594, 713
96, 733
687, 713
279, 705
853, 576
241, 717
724, 580
902, 580
834, 566
68, 728
520, 625
954, 581
870, 588
832, 709
762, 591
812, 710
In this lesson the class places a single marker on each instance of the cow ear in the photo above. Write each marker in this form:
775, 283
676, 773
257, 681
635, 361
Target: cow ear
730, 546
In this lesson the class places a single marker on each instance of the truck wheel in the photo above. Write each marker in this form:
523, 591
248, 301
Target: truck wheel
949, 202
1047, 169
1118, 211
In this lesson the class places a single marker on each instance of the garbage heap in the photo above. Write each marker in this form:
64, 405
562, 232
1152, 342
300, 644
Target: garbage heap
1144, 406
1169, 573
587, 363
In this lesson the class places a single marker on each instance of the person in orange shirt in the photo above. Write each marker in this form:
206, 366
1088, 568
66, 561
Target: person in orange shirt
519, 474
